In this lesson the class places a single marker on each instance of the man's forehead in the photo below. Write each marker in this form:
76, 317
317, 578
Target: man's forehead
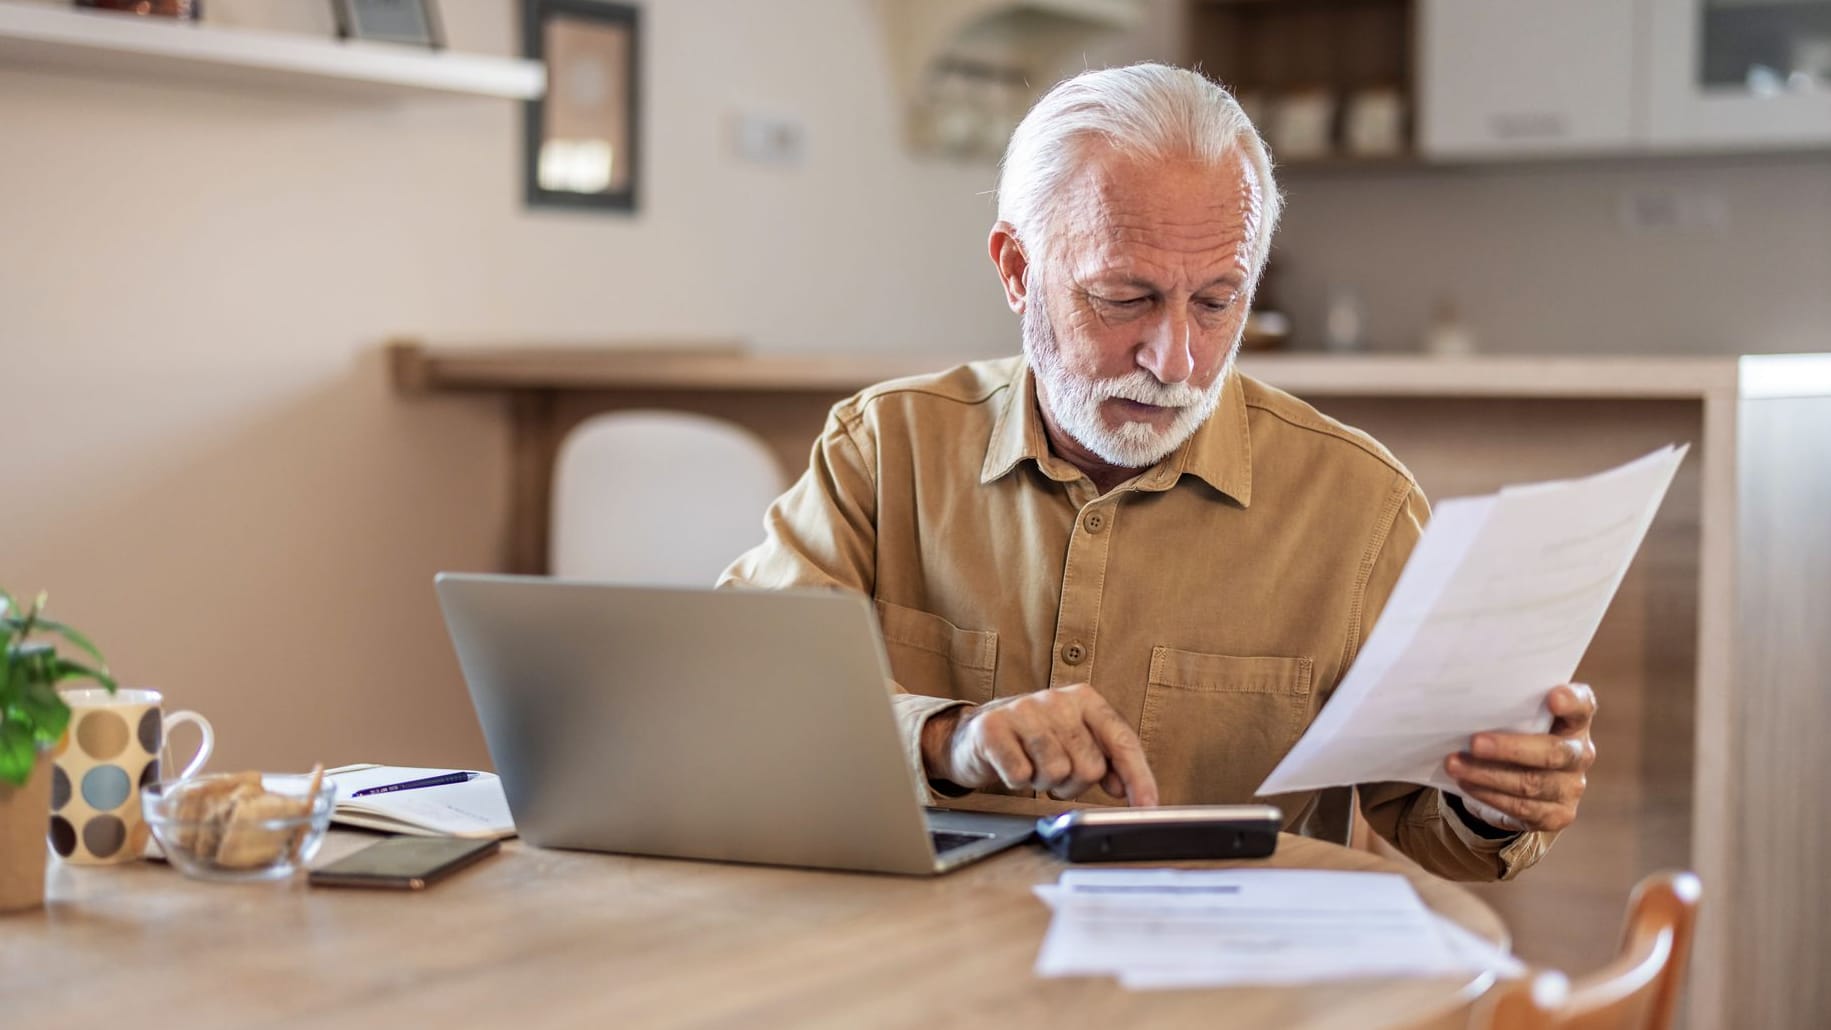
1131, 178
1120, 210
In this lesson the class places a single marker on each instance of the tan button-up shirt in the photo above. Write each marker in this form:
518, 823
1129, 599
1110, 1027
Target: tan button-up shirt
1215, 600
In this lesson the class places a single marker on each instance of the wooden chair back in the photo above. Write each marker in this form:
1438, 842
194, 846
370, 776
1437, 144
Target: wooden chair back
1638, 990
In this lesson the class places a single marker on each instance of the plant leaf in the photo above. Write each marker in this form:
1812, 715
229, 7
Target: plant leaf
62, 668
17, 753
73, 637
44, 713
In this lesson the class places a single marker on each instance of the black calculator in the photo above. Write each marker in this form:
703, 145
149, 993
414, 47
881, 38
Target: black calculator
1162, 834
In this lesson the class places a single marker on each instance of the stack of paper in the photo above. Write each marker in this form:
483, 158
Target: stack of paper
1159, 928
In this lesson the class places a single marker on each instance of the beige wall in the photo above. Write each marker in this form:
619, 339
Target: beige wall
204, 462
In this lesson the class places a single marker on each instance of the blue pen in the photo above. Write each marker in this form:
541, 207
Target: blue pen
431, 781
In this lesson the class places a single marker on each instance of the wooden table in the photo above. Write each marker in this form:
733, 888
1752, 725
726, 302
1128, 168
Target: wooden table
1710, 666
538, 937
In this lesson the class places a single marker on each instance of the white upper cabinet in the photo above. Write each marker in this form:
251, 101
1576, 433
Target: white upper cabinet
1739, 74
1528, 78
1508, 79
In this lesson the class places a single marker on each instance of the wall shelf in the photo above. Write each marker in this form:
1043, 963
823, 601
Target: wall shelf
107, 43
1301, 66
968, 69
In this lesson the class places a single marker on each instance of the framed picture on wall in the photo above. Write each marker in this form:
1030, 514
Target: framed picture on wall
412, 22
583, 146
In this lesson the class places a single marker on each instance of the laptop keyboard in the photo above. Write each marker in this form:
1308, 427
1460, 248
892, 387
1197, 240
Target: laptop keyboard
945, 841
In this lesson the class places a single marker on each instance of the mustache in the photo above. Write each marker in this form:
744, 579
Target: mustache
1142, 387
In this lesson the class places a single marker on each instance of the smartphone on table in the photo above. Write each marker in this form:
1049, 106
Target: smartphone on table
404, 863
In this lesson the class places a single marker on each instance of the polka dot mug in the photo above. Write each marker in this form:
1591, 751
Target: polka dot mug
107, 756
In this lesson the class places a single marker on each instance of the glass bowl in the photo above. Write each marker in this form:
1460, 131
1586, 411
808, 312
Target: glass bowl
212, 831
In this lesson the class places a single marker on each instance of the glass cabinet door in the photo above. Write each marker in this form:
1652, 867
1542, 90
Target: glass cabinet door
1740, 73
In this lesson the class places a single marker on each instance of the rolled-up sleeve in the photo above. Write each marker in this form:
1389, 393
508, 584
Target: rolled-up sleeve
1415, 819
822, 533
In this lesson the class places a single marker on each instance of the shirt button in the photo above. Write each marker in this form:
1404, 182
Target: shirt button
1074, 654
1093, 521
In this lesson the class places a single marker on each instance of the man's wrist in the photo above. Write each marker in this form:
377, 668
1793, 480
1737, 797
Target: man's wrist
1485, 831
937, 745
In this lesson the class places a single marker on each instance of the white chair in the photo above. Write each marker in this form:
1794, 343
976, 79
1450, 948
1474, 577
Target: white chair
658, 497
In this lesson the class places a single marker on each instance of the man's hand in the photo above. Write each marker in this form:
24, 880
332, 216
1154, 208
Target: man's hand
1058, 742
1531, 781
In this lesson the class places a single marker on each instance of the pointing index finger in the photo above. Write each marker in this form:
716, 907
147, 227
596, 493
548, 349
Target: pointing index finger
1125, 754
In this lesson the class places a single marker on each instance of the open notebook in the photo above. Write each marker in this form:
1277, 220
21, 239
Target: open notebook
473, 809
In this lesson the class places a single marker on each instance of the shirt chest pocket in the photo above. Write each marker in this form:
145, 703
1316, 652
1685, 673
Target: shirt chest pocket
1215, 725
930, 655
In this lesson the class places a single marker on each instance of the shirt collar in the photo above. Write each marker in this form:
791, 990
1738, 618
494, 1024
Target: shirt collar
1219, 454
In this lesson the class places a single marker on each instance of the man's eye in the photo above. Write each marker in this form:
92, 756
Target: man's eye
1215, 306
1125, 302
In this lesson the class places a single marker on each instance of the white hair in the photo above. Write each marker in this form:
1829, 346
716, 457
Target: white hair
1145, 110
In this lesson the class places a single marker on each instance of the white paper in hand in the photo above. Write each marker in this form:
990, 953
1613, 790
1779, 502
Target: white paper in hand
1499, 601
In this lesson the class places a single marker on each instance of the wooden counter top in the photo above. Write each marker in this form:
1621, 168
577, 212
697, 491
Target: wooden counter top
729, 367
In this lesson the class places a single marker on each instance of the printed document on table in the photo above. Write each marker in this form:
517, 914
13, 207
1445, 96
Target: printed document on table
1472, 953
1163, 927
1499, 601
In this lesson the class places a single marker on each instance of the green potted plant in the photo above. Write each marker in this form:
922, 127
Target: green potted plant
32, 720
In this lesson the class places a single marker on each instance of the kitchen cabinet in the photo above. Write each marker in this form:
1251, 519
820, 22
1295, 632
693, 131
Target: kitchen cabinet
1738, 74
1506, 78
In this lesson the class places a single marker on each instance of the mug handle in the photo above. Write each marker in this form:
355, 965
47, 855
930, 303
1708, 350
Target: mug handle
204, 748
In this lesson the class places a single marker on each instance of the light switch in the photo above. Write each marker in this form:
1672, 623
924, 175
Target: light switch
768, 139
1674, 211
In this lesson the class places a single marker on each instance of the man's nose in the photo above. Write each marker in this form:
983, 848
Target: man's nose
1168, 349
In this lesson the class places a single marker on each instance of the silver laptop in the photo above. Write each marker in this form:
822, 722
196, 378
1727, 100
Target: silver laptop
736, 725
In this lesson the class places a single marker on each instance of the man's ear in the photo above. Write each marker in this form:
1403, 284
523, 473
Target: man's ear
1012, 263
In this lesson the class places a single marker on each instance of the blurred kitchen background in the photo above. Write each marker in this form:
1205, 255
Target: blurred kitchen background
207, 242
197, 272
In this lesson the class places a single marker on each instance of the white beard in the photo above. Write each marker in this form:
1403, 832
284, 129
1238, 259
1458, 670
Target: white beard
1075, 400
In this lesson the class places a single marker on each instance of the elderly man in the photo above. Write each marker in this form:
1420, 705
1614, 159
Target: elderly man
1117, 569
